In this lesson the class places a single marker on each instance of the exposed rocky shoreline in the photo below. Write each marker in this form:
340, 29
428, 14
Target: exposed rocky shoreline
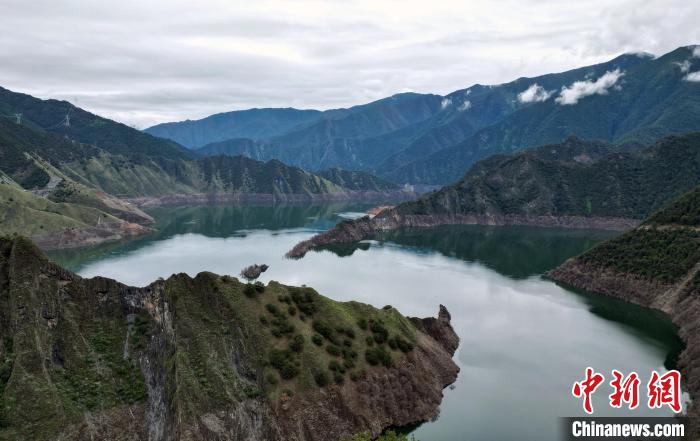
681, 301
217, 198
366, 227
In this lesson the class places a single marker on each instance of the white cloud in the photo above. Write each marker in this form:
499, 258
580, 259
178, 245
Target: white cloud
145, 62
445, 103
465, 106
693, 76
684, 66
533, 94
581, 89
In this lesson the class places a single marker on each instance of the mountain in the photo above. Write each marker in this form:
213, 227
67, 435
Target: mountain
356, 180
573, 178
576, 183
205, 357
252, 123
656, 265
63, 118
31, 157
357, 138
631, 100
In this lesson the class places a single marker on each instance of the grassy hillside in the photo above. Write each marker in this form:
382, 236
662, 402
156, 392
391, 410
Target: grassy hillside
574, 178
24, 213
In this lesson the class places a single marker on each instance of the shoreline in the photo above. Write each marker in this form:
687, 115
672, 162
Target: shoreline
366, 227
676, 300
95, 235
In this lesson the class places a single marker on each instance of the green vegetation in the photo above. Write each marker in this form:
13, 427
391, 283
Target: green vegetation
665, 248
573, 178
664, 255
336, 349
682, 211
22, 212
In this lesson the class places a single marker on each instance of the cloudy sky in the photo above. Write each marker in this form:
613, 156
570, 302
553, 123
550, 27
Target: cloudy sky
144, 62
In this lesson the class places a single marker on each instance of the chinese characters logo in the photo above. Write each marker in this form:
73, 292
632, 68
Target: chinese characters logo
662, 390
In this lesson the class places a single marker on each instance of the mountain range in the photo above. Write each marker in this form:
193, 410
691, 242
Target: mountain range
576, 183
63, 171
416, 138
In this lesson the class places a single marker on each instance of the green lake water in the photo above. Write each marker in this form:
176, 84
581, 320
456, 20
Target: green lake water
524, 339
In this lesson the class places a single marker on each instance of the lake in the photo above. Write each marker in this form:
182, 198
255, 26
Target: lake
524, 339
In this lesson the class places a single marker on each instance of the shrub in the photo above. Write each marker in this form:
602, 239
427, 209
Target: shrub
377, 355
387, 307
370, 340
273, 309
297, 343
263, 320
283, 360
292, 311
259, 287
249, 290
317, 339
350, 333
304, 299
334, 366
338, 378
322, 379
362, 323
323, 328
271, 378
379, 332
333, 350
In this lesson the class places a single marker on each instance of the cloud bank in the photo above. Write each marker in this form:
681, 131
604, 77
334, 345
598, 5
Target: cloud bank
580, 89
145, 62
534, 93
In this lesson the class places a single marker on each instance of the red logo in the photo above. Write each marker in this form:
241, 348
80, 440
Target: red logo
626, 390
665, 389
662, 390
586, 388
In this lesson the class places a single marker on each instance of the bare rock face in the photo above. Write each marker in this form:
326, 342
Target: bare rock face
409, 392
681, 301
253, 272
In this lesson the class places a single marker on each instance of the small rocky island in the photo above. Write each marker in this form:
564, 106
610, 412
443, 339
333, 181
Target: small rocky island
252, 272
205, 358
